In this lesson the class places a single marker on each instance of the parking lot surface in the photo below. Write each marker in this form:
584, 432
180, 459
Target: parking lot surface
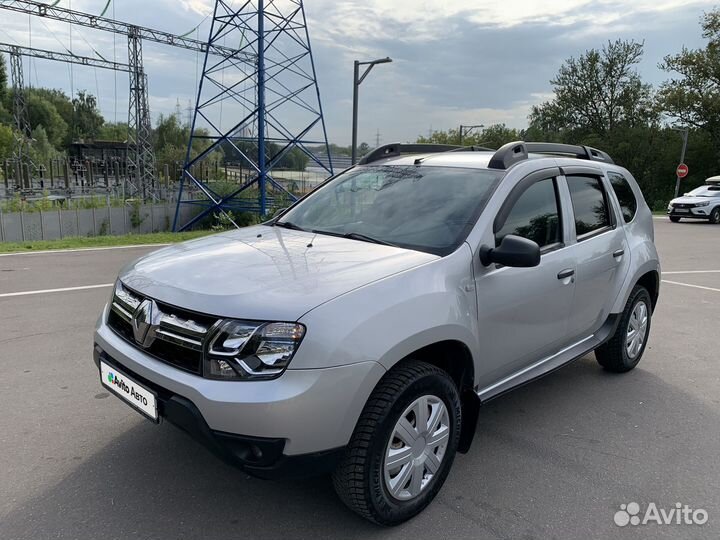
554, 459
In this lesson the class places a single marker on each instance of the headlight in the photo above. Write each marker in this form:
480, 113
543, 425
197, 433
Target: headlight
698, 205
242, 350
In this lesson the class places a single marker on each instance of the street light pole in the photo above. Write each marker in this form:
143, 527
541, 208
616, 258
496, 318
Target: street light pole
357, 81
469, 130
684, 132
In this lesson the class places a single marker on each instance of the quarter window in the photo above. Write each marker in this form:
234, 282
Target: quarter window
625, 195
589, 204
534, 216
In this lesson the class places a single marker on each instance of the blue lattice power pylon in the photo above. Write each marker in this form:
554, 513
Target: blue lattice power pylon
254, 106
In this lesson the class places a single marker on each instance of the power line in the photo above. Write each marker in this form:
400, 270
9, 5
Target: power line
79, 18
62, 57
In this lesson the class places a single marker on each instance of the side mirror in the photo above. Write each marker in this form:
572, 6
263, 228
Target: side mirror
513, 251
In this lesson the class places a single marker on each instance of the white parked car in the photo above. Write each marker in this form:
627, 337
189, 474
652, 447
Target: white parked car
700, 203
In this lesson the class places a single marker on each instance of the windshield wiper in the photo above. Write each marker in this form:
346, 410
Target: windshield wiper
288, 225
356, 236
366, 238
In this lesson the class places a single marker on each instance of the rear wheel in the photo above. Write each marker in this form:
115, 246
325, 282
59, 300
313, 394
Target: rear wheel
403, 445
625, 349
715, 215
674, 219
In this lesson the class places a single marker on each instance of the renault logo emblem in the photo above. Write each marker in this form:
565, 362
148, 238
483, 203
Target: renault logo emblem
144, 323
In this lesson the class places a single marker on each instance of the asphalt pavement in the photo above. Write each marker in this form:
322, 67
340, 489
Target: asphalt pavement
555, 459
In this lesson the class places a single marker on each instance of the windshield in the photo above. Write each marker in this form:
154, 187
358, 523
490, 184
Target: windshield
705, 191
424, 208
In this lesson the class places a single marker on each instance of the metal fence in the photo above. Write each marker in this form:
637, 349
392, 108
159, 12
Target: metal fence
61, 223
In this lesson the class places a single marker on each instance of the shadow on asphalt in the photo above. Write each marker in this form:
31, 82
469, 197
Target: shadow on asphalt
155, 482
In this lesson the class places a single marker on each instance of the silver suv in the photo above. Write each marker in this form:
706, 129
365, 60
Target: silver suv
359, 332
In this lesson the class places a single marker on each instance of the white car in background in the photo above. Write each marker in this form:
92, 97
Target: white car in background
701, 203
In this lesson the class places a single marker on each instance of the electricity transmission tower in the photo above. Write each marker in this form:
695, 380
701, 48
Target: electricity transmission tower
21, 155
255, 105
141, 156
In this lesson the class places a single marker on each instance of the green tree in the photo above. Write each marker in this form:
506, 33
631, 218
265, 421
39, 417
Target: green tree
693, 95
7, 142
41, 149
493, 136
113, 131
598, 92
170, 139
43, 114
62, 103
169, 130
3, 79
87, 119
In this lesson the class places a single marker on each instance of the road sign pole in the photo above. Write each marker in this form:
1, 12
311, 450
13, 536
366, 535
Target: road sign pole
682, 160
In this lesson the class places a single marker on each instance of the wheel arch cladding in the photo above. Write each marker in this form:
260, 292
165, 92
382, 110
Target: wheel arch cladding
651, 281
454, 357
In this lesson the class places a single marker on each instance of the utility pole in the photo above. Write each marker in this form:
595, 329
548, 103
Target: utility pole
466, 130
685, 133
357, 81
377, 139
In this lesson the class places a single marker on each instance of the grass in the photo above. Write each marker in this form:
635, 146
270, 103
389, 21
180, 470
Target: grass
100, 241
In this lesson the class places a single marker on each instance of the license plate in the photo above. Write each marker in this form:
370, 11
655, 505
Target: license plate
134, 394
682, 211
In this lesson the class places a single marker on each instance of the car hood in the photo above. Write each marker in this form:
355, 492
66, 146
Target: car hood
263, 272
694, 200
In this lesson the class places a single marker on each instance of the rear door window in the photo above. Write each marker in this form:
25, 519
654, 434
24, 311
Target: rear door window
625, 195
590, 205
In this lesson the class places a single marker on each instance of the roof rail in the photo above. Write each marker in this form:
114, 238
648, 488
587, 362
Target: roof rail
396, 149
514, 152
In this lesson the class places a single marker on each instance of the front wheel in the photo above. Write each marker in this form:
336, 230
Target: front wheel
715, 216
625, 349
403, 446
674, 219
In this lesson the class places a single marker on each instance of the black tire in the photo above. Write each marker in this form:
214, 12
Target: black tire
674, 219
613, 355
715, 215
359, 479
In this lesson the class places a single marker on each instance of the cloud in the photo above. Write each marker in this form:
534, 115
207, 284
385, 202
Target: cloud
455, 61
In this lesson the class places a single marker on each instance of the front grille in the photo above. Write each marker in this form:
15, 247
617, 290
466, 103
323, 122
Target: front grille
179, 334
683, 205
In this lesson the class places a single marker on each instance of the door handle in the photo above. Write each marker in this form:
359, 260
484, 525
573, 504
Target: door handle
618, 253
564, 274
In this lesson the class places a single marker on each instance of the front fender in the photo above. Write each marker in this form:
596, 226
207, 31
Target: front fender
389, 319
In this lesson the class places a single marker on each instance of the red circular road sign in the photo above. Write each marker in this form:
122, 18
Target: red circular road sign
682, 170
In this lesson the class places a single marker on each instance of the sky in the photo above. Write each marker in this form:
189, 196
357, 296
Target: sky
454, 62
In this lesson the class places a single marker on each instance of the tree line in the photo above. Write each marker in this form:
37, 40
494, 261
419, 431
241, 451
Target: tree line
600, 100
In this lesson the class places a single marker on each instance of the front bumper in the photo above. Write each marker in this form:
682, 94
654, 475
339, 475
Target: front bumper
300, 420
693, 213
